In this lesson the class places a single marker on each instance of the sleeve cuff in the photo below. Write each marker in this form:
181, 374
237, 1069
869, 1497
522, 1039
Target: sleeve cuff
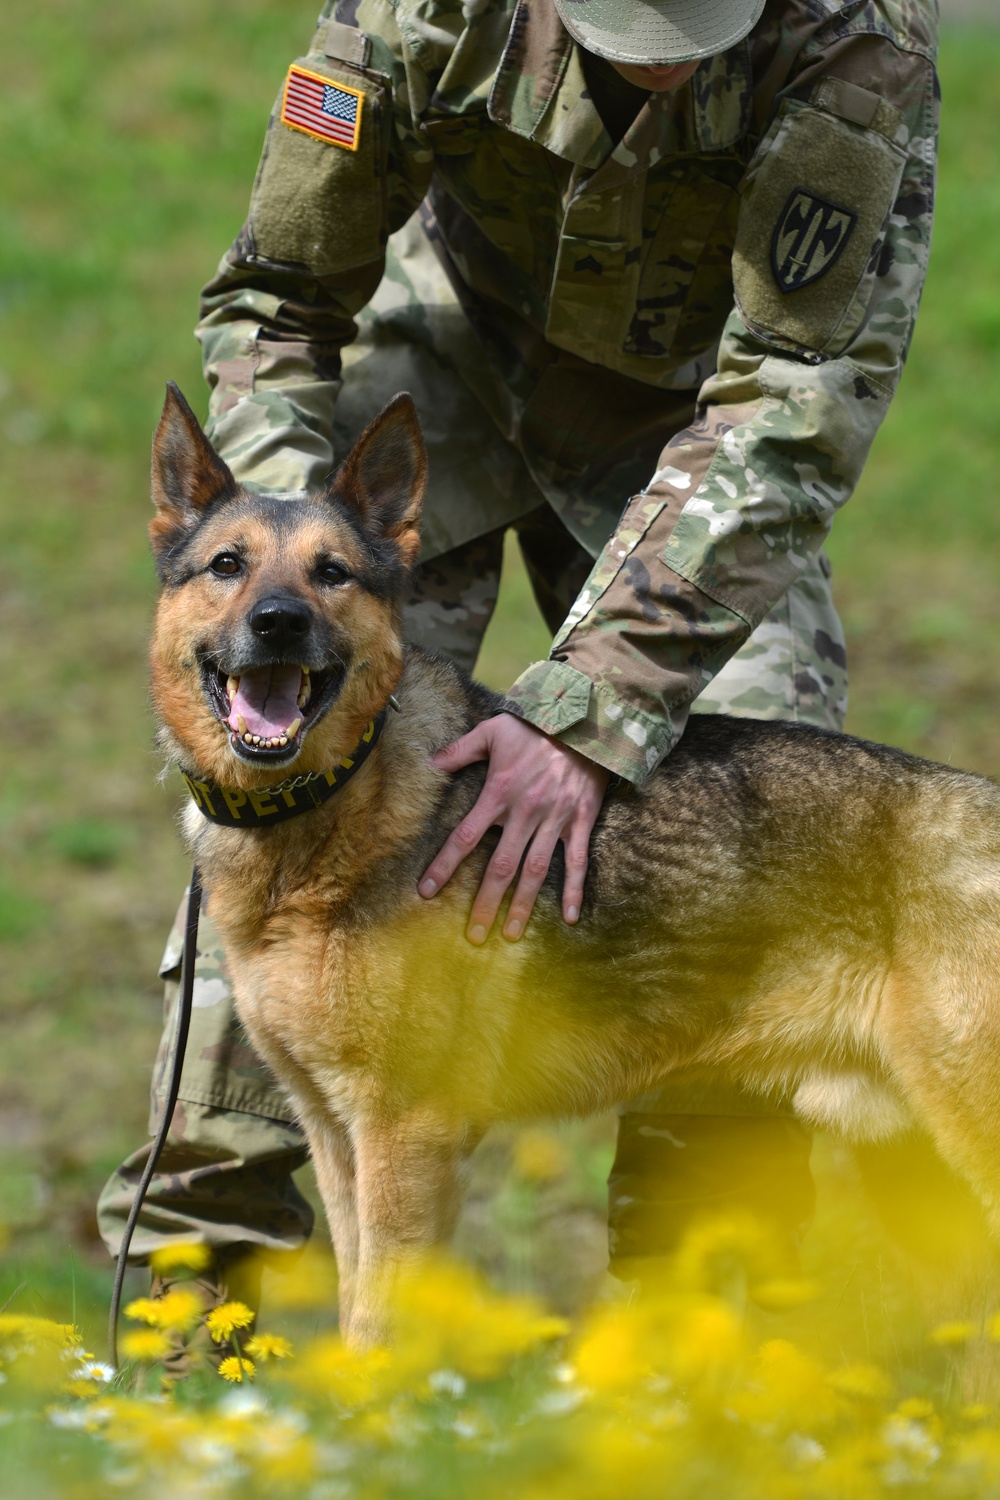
587, 717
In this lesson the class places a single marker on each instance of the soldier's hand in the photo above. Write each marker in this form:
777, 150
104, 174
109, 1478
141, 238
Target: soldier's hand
540, 792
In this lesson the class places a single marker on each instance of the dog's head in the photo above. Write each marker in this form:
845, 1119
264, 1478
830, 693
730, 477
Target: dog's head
278, 629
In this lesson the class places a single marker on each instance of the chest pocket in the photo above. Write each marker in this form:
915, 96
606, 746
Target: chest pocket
685, 282
319, 198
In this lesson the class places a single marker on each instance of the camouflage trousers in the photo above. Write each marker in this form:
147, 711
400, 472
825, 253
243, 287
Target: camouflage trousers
226, 1177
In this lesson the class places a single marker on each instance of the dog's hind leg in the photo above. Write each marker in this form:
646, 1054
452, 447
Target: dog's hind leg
410, 1183
333, 1159
940, 1034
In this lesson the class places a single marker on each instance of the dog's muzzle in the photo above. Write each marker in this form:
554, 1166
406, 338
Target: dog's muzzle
269, 709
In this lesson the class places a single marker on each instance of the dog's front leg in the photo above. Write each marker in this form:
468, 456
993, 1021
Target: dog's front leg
333, 1159
409, 1181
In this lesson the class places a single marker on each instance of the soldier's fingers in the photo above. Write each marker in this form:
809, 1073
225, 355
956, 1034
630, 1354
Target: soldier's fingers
577, 857
465, 750
499, 873
459, 843
533, 872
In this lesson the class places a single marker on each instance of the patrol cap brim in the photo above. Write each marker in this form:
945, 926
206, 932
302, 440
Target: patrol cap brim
655, 33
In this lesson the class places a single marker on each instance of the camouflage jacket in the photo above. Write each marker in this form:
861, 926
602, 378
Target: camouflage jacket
732, 287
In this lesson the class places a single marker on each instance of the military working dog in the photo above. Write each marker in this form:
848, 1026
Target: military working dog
803, 911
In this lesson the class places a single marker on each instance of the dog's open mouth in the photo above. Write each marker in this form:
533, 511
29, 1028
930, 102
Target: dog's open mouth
268, 710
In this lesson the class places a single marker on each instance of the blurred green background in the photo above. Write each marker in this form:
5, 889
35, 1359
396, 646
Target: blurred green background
130, 134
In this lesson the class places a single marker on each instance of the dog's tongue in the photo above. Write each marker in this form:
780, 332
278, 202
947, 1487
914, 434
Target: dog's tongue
266, 700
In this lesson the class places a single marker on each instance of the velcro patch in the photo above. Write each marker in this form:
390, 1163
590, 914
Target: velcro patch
808, 237
325, 110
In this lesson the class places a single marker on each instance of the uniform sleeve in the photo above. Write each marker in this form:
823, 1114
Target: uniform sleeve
312, 251
828, 267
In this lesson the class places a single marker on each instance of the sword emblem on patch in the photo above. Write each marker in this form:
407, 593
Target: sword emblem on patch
325, 110
808, 237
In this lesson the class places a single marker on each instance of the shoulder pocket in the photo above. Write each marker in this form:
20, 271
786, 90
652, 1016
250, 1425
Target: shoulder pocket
319, 197
814, 210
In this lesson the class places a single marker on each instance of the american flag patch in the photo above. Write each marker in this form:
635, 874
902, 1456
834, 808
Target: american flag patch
327, 111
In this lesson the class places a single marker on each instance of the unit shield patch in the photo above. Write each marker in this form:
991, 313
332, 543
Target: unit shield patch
326, 110
808, 237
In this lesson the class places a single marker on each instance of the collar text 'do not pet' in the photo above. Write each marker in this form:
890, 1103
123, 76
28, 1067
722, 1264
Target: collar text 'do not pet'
235, 808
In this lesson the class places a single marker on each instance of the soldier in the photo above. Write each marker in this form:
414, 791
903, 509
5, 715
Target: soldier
669, 250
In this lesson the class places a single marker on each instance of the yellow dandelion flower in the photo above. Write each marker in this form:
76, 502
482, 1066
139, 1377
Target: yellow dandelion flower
976, 1411
950, 1334
447, 1318
715, 1251
142, 1310
237, 1370
265, 1346
708, 1338
23, 1329
612, 1354
185, 1256
223, 1320
783, 1294
310, 1282
351, 1377
915, 1409
539, 1156
787, 1387
863, 1382
145, 1344
180, 1309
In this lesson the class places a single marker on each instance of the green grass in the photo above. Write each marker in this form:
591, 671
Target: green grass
131, 134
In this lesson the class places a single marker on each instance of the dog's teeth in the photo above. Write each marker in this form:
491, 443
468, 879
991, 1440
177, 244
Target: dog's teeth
232, 687
241, 724
255, 738
283, 740
248, 739
305, 691
292, 729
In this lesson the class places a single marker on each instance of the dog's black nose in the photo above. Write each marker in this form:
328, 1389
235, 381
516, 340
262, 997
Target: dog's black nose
280, 620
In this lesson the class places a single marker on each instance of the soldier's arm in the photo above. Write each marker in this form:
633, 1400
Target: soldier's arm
745, 496
311, 254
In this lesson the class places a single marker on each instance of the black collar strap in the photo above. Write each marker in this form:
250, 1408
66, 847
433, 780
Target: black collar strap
236, 808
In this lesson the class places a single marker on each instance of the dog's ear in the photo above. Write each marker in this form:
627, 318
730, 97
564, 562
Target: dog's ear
385, 474
188, 474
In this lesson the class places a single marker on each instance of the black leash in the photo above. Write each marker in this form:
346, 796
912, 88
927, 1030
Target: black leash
173, 1088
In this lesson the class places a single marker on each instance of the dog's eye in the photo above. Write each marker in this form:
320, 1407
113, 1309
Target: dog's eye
225, 564
331, 572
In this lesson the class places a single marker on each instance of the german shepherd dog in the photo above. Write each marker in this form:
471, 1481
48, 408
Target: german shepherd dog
800, 910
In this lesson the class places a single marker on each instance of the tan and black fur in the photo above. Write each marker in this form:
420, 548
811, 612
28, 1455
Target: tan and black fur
805, 912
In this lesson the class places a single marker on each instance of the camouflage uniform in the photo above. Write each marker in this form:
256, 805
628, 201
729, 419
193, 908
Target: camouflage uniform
709, 315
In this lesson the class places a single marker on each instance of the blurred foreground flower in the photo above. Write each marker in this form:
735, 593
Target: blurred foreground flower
305, 1279
184, 1256
145, 1344
179, 1310
951, 1334
539, 1156
862, 1381
19, 1333
265, 1346
446, 1317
